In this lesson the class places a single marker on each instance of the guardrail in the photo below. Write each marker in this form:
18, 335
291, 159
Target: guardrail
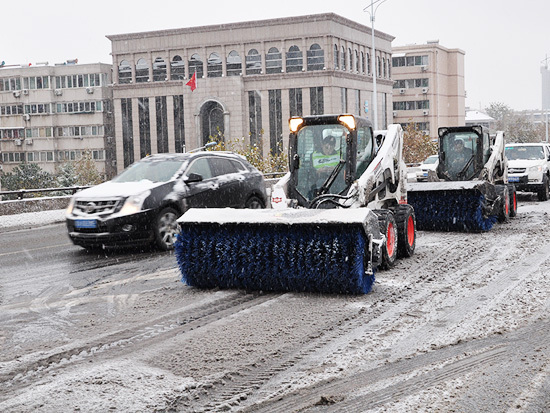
21, 192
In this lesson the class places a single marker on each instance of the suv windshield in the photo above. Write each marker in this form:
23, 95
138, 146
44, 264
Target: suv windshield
154, 170
322, 152
525, 152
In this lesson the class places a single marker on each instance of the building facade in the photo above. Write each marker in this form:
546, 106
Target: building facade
428, 86
53, 114
250, 78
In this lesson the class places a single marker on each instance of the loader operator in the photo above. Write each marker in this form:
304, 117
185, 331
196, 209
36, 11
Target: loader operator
460, 157
328, 158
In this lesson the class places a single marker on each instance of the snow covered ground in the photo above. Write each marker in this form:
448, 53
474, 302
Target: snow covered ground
31, 219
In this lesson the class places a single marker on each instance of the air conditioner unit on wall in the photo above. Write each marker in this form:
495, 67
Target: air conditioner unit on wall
424, 90
25, 91
58, 92
425, 112
402, 91
26, 117
18, 142
89, 90
423, 68
394, 113
16, 93
28, 141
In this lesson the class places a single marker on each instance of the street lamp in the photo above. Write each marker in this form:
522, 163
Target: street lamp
372, 13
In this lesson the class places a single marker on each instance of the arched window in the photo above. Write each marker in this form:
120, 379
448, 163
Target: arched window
159, 70
124, 72
253, 62
234, 64
362, 62
343, 59
273, 61
195, 66
350, 61
378, 66
177, 68
336, 57
142, 71
389, 68
315, 57
214, 65
357, 61
294, 60
385, 68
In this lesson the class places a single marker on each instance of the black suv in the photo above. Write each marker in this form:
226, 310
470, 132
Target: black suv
142, 204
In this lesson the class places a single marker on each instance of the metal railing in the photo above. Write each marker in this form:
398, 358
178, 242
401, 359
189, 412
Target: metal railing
20, 193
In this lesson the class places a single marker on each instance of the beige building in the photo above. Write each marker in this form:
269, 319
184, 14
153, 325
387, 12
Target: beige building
52, 114
428, 86
250, 77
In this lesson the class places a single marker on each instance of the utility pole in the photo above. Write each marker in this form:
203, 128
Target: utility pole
545, 91
372, 13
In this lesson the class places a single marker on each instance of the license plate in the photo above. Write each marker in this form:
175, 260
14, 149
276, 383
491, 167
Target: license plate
85, 223
425, 174
513, 179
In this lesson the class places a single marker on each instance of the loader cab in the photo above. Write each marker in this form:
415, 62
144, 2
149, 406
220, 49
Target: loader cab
327, 153
462, 152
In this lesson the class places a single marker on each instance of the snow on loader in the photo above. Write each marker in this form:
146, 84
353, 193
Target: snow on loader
338, 215
470, 189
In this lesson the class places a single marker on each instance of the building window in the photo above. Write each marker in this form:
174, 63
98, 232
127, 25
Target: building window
411, 105
294, 60
144, 127
335, 56
273, 61
177, 68
255, 117
343, 59
275, 122
358, 102
127, 130
234, 64
362, 63
410, 83
142, 71
369, 65
159, 70
8, 84
214, 65
162, 124
253, 62
179, 124
385, 68
344, 99
378, 67
195, 66
315, 58
124, 72
316, 100
350, 61
410, 61
295, 100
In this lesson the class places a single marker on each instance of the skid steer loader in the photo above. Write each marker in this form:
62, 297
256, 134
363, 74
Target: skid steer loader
338, 214
470, 189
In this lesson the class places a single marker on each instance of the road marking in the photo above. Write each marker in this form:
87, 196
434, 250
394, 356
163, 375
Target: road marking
34, 249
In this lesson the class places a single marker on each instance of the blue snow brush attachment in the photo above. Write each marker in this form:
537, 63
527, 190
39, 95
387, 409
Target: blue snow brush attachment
453, 206
324, 251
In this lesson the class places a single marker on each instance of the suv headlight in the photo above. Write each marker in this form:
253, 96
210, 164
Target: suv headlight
537, 168
70, 208
133, 203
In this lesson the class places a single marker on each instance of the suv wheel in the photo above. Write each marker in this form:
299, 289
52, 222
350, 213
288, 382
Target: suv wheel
166, 228
254, 203
543, 193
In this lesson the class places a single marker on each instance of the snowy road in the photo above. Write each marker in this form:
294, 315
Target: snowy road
460, 326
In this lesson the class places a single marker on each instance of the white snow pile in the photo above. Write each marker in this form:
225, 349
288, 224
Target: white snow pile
32, 219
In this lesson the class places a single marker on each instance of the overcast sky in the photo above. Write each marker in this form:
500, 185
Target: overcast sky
505, 41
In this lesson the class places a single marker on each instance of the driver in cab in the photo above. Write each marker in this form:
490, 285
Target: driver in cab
460, 156
326, 160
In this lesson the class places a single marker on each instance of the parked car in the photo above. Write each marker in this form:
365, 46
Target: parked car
141, 204
529, 167
429, 164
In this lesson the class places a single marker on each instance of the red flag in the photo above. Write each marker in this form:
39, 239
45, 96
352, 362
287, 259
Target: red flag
193, 82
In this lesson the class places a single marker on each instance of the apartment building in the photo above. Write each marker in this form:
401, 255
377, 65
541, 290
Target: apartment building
250, 78
428, 86
50, 114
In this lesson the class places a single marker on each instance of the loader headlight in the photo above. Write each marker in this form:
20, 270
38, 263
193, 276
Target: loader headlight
294, 124
134, 203
347, 120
